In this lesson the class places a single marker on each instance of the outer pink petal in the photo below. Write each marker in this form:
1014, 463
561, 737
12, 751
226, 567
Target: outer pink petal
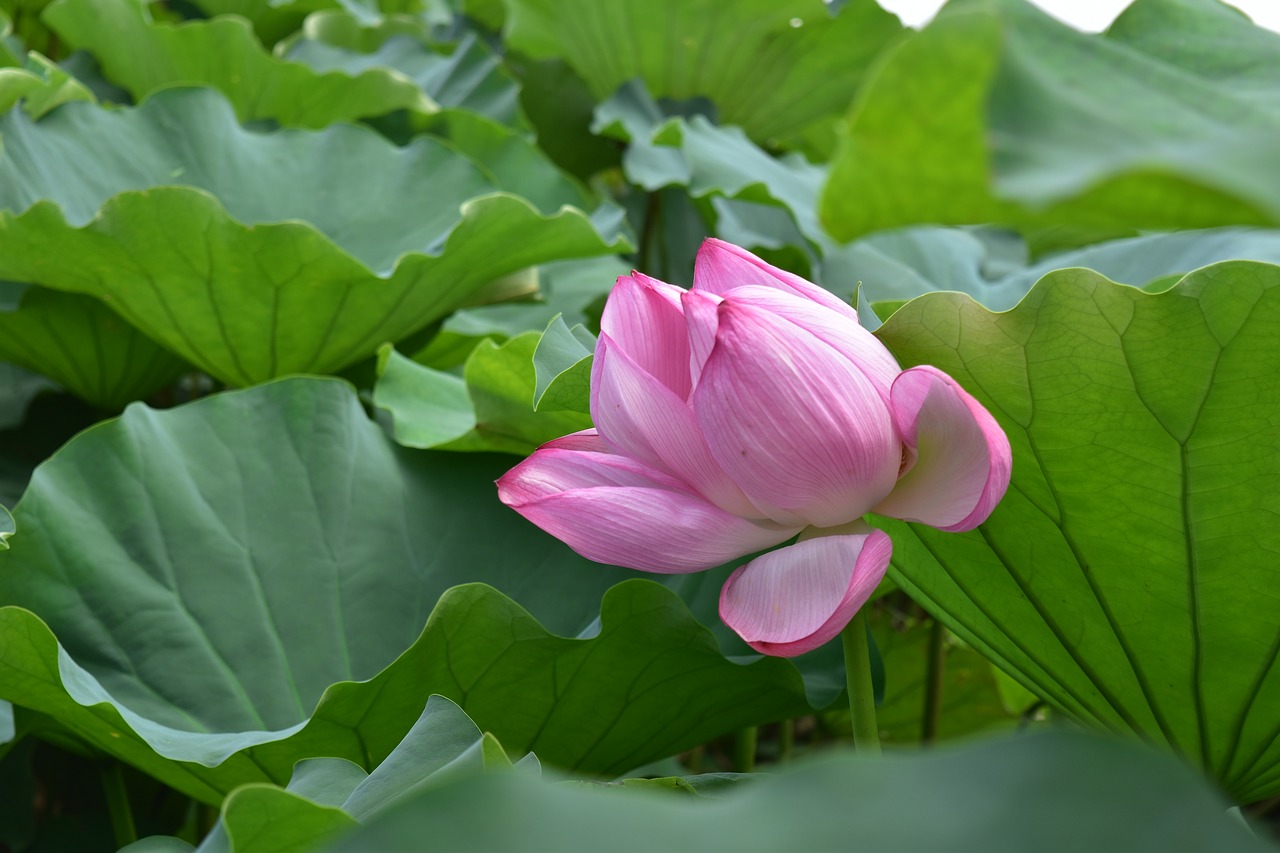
839, 331
961, 455
640, 417
794, 599
722, 266
644, 318
616, 510
798, 427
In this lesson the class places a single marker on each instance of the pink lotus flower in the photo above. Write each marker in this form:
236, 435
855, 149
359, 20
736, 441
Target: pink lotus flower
736, 415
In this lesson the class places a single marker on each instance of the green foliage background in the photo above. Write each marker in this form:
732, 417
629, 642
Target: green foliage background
285, 286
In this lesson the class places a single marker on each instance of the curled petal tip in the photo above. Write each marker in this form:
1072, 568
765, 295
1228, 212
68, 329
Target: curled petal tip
961, 459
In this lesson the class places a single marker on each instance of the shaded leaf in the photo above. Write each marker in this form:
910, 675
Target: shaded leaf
86, 348
17, 388
1052, 792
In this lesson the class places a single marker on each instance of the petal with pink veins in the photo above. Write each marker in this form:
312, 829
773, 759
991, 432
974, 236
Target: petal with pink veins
961, 456
638, 416
644, 317
612, 509
701, 319
799, 428
722, 266
794, 599
838, 331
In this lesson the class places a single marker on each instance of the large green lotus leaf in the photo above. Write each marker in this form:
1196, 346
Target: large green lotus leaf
1128, 574
247, 586
85, 347
1050, 792
996, 112
246, 301
771, 67
225, 54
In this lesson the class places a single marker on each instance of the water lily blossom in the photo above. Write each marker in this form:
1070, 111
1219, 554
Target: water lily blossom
748, 411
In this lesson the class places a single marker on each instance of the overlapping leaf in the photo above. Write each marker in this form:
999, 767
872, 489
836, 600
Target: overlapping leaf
216, 271
771, 67
248, 587
224, 53
85, 347
1054, 792
1018, 119
1128, 576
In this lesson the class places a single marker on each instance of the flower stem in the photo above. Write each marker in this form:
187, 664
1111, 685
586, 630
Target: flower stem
744, 749
118, 804
786, 739
862, 697
937, 652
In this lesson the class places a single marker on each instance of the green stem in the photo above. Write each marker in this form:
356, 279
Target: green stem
937, 653
113, 786
744, 749
786, 740
862, 697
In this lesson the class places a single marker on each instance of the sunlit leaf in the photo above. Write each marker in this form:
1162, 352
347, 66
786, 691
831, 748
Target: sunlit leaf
771, 67
221, 272
1126, 577
997, 112
224, 53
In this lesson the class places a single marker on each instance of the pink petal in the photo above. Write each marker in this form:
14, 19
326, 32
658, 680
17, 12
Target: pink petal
794, 599
839, 331
644, 318
638, 416
794, 423
701, 319
615, 510
722, 266
962, 460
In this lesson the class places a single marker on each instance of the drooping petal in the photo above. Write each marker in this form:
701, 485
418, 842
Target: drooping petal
722, 266
837, 330
615, 510
798, 427
794, 599
962, 460
644, 318
638, 416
